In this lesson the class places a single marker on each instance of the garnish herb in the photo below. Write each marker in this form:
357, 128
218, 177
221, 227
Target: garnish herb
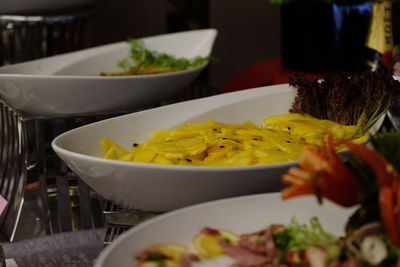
261, 240
281, 239
144, 61
154, 257
301, 235
227, 240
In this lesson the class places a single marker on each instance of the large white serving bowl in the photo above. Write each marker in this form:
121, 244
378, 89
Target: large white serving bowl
241, 214
159, 187
69, 84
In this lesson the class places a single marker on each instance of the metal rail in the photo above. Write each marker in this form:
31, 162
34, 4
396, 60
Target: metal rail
13, 156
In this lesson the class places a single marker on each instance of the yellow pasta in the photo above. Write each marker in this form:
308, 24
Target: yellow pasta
279, 139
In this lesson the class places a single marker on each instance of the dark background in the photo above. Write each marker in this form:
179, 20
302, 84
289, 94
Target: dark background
248, 30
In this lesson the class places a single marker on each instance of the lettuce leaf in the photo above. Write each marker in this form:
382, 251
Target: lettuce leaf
300, 236
144, 58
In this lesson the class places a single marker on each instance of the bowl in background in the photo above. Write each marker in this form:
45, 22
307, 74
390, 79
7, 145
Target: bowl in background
70, 85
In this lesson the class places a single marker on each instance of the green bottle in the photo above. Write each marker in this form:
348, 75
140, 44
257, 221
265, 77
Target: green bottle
379, 42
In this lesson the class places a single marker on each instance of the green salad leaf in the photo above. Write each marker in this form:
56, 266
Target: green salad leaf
142, 58
300, 236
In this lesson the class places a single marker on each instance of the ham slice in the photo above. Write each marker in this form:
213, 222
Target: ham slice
243, 256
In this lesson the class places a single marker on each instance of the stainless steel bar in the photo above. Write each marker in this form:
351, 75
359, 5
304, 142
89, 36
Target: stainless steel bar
13, 168
8, 180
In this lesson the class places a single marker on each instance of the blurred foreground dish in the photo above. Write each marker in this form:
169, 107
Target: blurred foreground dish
368, 178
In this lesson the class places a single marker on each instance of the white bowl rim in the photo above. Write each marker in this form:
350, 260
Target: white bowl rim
93, 77
207, 31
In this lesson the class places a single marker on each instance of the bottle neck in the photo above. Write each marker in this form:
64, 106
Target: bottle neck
380, 34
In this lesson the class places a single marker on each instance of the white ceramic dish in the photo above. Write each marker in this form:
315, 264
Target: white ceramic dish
241, 215
69, 84
159, 187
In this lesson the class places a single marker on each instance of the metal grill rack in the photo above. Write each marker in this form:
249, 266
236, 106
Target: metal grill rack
12, 167
55, 200
45, 196
118, 220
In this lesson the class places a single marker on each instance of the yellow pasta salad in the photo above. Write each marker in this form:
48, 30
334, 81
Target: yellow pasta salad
279, 139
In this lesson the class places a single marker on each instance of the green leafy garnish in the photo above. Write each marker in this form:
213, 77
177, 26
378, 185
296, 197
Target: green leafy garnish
301, 235
143, 61
281, 239
261, 240
298, 237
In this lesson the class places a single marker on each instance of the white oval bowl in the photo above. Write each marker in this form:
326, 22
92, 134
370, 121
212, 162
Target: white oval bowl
159, 187
241, 214
70, 85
